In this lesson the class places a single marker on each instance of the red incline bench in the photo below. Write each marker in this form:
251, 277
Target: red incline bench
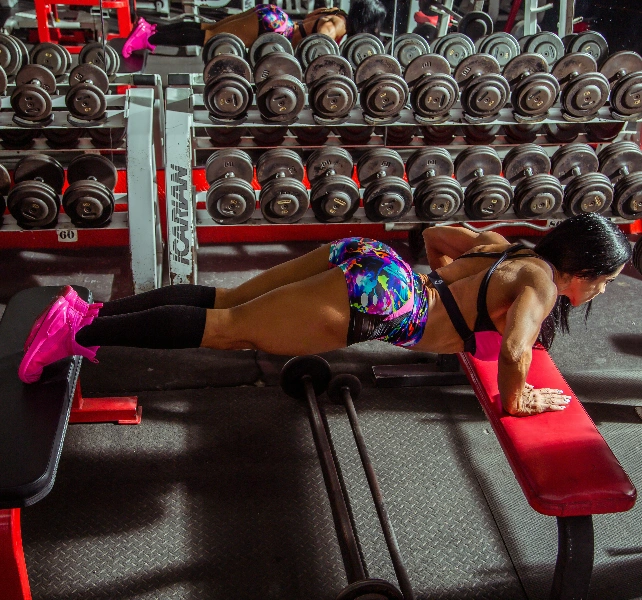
563, 465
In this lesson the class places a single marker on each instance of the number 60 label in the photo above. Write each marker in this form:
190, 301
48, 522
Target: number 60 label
67, 235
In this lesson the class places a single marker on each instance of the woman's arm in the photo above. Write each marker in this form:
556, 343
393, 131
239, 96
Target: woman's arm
444, 244
523, 322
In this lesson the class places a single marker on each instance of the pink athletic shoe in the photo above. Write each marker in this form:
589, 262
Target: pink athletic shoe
53, 338
75, 300
139, 38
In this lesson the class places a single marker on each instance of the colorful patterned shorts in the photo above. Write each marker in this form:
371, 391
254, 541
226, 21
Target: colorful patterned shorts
273, 19
386, 297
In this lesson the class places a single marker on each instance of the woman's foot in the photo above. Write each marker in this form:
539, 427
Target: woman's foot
139, 38
53, 335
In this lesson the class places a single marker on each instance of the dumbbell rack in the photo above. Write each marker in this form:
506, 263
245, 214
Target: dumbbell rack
135, 223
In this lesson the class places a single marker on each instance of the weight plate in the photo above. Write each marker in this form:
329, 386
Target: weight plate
562, 132
603, 132
535, 95
310, 135
538, 196
226, 64
113, 64
279, 162
572, 160
274, 65
93, 53
269, 43
439, 135
280, 98
427, 163
329, 161
454, 47
334, 199
487, 197
85, 101
223, 43
475, 24
377, 64
475, 162
546, 44
474, 66
481, 134
358, 47
589, 42
485, 96
433, 96
230, 163
326, 65
354, 134
501, 46
407, 47
383, 96
626, 95
524, 161
52, 56
37, 75
591, 192
627, 202
437, 198
3, 82
315, 45
5, 182
332, 97
583, 97
620, 64
293, 374
88, 73
524, 65
24, 52
426, 64
40, 167
228, 96
10, 55
93, 167
108, 137
230, 201
387, 199
379, 163
571, 66
88, 204
18, 137
63, 138
522, 133
33, 204
31, 103
619, 159
370, 589
284, 200
518, 30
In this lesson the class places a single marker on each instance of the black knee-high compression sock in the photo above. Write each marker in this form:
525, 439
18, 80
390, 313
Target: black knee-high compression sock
178, 34
160, 327
184, 294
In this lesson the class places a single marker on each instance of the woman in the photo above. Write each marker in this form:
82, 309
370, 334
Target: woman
365, 16
510, 296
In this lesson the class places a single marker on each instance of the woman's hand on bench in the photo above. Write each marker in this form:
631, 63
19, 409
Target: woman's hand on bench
538, 400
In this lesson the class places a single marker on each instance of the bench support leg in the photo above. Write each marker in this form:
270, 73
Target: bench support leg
574, 558
123, 410
13, 569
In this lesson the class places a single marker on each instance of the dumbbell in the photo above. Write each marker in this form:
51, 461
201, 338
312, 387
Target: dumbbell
624, 72
537, 193
230, 198
107, 59
562, 132
604, 131
454, 47
437, 195
332, 93
53, 56
225, 136
433, 91
31, 98
407, 47
280, 95
583, 90
34, 200
533, 89
268, 136
64, 137
576, 165
621, 162
18, 137
227, 94
383, 92
360, 46
587, 42
522, 133
441, 135
487, 195
223, 43
108, 137
5, 185
85, 99
544, 43
484, 133
283, 197
475, 25
501, 46
310, 135
313, 46
356, 135
334, 195
484, 92
387, 196
13, 55
89, 199
399, 135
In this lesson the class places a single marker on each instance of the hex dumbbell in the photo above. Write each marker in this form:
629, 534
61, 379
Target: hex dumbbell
433, 91
537, 193
624, 72
34, 200
334, 195
360, 46
576, 165
283, 197
31, 98
85, 99
387, 196
437, 195
383, 92
89, 199
227, 94
487, 194
621, 162
230, 198
332, 93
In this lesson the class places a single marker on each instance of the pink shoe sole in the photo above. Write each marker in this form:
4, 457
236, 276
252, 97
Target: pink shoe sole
139, 38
